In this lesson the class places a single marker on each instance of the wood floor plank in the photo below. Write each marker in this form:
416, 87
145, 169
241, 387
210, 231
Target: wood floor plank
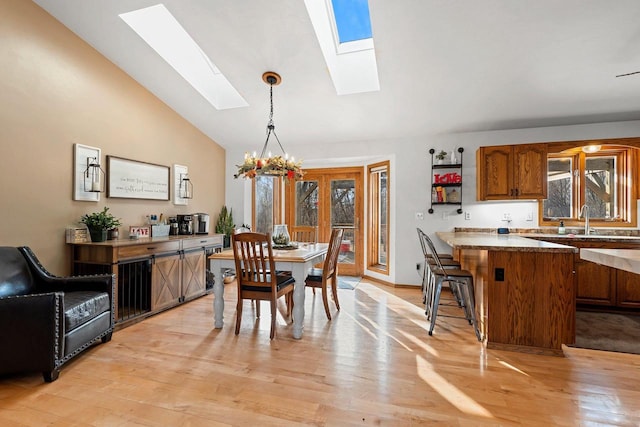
373, 364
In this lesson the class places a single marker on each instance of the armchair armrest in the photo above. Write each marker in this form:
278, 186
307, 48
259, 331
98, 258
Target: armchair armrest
47, 282
32, 333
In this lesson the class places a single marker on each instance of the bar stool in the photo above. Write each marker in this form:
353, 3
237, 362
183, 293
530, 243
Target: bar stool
461, 284
428, 279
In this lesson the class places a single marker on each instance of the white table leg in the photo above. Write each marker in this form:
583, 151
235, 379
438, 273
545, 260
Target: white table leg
218, 294
299, 271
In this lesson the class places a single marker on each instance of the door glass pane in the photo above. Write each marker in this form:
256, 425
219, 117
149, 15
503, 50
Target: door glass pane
343, 200
559, 188
264, 203
382, 218
306, 203
600, 186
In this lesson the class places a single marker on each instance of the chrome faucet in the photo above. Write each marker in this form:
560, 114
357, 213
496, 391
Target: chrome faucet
584, 211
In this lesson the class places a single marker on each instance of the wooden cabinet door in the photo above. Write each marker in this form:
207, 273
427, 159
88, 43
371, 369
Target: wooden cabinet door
628, 289
193, 274
494, 173
165, 282
530, 171
595, 284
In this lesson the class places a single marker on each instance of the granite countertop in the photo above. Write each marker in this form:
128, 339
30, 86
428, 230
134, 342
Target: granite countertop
623, 259
582, 237
503, 242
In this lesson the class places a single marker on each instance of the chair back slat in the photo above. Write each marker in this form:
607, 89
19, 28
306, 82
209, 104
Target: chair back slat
331, 261
253, 256
304, 234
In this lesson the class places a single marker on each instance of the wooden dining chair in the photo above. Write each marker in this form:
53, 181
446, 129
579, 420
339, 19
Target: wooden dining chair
304, 234
254, 263
319, 278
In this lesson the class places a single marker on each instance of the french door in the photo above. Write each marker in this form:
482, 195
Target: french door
328, 199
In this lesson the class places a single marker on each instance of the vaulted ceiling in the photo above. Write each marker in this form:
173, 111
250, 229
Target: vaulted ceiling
444, 66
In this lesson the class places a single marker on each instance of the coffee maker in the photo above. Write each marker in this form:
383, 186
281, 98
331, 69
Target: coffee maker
200, 223
185, 224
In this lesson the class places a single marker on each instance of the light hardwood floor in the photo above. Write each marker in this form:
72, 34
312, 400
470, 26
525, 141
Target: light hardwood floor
374, 364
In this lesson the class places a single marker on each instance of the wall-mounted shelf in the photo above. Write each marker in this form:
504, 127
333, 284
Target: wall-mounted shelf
446, 181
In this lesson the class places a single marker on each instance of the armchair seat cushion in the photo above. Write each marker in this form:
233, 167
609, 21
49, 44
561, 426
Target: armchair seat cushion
81, 307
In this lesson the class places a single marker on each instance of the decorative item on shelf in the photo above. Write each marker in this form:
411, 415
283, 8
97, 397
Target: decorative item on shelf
453, 196
270, 165
186, 187
137, 231
225, 225
280, 235
94, 176
453, 160
77, 234
99, 223
441, 156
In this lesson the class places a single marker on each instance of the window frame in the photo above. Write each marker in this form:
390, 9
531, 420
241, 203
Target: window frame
373, 216
277, 201
626, 174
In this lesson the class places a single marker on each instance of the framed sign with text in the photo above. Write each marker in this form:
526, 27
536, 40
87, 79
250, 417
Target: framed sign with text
131, 179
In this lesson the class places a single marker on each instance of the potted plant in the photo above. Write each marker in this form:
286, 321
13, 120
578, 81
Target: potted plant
441, 156
225, 225
99, 223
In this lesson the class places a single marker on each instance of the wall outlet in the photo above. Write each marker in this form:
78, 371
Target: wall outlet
419, 215
530, 216
467, 216
506, 216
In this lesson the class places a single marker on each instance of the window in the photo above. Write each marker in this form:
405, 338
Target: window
600, 180
378, 237
266, 203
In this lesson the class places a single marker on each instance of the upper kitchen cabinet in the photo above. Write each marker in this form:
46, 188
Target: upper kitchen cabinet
507, 172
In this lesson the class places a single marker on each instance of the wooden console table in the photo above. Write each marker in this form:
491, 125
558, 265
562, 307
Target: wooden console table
153, 274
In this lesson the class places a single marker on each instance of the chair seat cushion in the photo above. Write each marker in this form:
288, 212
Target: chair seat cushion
83, 306
283, 280
314, 275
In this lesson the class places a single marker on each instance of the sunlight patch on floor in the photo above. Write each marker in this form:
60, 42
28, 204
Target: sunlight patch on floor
420, 343
377, 326
448, 391
510, 366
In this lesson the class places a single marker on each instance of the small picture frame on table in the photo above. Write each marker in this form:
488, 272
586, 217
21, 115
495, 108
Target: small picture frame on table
137, 231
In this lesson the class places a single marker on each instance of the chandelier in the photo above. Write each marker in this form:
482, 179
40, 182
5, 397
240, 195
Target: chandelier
266, 164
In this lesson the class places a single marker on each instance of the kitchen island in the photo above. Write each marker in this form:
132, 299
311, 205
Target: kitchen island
524, 289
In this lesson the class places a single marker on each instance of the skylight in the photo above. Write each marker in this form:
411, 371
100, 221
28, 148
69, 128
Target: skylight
352, 20
343, 30
160, 29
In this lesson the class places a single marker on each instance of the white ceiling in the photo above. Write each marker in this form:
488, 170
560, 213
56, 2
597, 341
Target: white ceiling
444, 66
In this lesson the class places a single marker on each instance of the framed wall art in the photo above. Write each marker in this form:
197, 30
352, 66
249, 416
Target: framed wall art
178, 172
82, 155
132, 179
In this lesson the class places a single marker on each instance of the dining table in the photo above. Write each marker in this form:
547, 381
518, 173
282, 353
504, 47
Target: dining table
298, 260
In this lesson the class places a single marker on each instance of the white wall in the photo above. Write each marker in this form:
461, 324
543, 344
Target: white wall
410, 183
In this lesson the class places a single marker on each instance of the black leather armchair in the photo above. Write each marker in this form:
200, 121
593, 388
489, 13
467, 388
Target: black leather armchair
47, 320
